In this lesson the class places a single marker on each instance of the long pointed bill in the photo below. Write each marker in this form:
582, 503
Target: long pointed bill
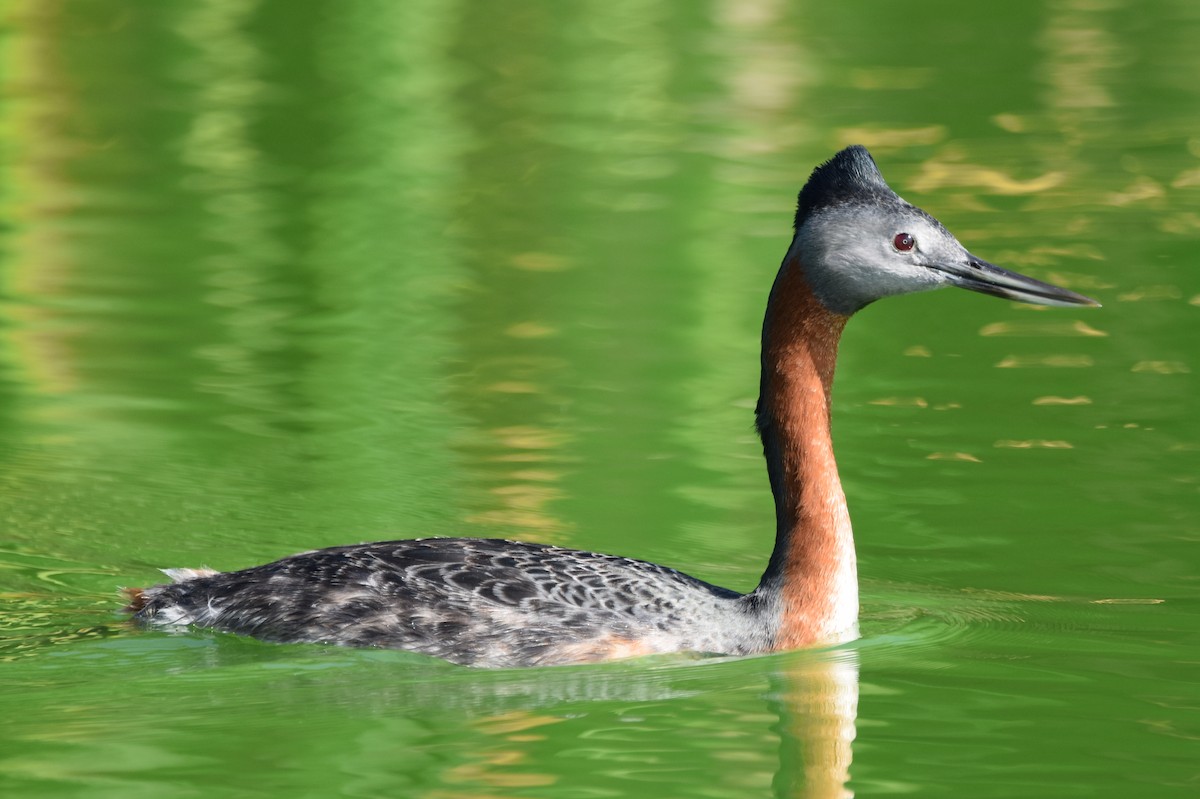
979, 275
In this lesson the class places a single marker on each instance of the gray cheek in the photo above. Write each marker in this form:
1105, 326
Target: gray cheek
889, 284
842, 291
848, 264
844, 284
830, 268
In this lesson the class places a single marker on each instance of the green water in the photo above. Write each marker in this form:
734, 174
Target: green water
282, 275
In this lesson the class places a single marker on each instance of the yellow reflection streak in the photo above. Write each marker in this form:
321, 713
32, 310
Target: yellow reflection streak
817, 702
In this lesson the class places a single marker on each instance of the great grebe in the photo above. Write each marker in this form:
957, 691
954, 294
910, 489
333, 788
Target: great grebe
486, 602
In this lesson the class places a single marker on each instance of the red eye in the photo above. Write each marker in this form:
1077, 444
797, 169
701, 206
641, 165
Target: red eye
904, 242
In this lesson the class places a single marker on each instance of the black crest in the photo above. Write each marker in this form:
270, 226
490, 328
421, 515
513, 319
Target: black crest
850, 176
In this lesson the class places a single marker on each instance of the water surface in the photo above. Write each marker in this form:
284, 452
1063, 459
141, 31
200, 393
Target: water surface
282, 275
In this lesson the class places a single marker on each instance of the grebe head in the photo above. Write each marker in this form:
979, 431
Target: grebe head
857, 241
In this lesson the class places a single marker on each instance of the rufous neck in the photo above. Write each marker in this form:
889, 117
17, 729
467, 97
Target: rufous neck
812, 576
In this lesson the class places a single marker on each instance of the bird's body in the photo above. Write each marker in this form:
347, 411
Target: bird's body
472, 601
499, 603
